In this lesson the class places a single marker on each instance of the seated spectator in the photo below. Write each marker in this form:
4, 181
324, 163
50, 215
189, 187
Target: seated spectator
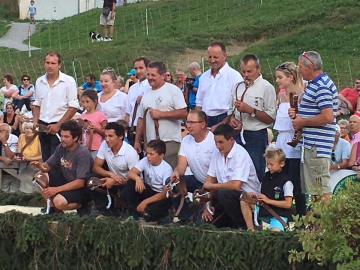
354, 126
131, 81
354, 159
119, 85
111, 101
340, 152
184, 130
91, 83
24, 155
168, 77
10, 90
149, 195
231, 172
348, 98
26, 94
119, 158
9, 117
95, 122
9, 143
276, 191
344, 129
67, 169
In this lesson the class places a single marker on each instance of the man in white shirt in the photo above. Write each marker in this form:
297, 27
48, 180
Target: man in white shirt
196, 151
166, 106
231, 171
258, 111
136, 91
119, 157
216, 84
55, 102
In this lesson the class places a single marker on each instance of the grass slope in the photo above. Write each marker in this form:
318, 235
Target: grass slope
276, 30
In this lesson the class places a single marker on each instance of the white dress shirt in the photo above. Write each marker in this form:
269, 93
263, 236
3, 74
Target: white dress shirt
54, 101
214, 93
113, 108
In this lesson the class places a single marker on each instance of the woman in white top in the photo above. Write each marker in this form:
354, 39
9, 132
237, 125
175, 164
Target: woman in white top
10, 90
112, 102
289, 78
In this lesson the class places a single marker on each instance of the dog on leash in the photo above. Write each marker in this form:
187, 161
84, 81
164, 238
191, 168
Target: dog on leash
94, 36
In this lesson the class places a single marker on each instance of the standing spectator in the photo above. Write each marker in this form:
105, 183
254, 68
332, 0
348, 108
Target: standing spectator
166, 105
55, 102
168, 77
26, 94
258, 110
340, 152
316, 118
216, 84
348, 99
111, 101
131, 81
289, 79
195, 71
9, 117
32, 12
119, 85
107, 18
344, 129
10, 90
91, 83
180, 83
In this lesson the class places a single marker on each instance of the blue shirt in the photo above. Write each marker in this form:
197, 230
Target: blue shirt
342, 150
192, 94
97, 86
32, 9
23, 91
320, 93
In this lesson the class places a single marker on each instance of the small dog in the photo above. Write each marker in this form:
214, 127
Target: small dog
94, 36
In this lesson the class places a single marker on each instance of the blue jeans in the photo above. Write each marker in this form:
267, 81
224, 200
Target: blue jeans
256, 142
191, 185
213, 120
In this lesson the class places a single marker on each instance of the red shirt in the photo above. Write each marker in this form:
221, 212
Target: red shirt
351, 95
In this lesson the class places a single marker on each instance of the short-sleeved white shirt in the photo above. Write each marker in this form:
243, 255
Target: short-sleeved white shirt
137, 89
198, 154
4, 89
237, 166
12, 143
54, 101
113, 108
121, 162
214, 93
155, 176
288, 189
166, 98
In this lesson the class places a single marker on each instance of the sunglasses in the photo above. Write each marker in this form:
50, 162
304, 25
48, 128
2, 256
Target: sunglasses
283, 66
168, 75
183, 129
26, 79
333, 155
304, 54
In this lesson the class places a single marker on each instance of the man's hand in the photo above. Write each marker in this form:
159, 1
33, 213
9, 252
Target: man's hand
53, 128
141, 207
50, 191
39, 165
108, 182
243, 107
262, 197
208, 185
235, 123
206, 215
118, 178
2, 137
297, 122
139, 186
292, 113
155, 114
112, 15
137, 147
174, 176
138, 100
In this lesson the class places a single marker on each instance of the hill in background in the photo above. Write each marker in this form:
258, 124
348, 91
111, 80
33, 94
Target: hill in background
178, 32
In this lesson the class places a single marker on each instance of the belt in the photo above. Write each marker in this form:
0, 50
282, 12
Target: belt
217, 116
46, 124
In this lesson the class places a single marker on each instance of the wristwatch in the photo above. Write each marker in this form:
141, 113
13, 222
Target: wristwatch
253, 113
5, 144
338, 167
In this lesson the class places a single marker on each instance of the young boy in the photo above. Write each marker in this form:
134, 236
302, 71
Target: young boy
32, 11
276, 191
149, 195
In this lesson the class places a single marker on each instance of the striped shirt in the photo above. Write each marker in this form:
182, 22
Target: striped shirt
320, 93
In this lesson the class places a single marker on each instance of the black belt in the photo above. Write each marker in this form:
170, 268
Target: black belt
46, 124
217, 116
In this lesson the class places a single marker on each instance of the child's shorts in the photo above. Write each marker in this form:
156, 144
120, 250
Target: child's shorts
274, 223
32, 15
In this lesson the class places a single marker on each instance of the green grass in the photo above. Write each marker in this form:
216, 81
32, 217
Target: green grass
4, 27
276, 31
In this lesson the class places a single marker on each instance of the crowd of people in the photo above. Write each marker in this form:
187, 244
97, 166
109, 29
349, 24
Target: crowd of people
210, 130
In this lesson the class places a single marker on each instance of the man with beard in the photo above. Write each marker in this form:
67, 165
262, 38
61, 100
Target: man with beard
258, 111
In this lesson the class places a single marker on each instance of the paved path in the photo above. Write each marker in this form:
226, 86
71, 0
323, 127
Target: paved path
16, 35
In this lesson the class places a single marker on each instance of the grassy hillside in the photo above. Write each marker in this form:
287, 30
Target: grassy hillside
276, 30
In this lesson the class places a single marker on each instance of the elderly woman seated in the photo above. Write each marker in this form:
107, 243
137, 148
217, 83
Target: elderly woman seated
24, 155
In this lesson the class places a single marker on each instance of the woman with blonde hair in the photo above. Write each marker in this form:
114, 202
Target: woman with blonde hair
289, 78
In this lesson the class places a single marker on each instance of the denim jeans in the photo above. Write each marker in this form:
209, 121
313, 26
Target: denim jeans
213, 120
256, 142
191, 185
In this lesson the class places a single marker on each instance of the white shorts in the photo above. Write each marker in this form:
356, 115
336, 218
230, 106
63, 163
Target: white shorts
107, 20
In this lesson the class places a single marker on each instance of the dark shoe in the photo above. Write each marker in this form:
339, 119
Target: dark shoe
84, 210
148, 218
166, 220
43, 210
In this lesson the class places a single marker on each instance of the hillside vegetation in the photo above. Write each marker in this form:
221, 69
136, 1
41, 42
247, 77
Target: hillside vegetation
276, 31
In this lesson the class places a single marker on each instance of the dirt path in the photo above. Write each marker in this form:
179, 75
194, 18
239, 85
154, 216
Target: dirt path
16, 35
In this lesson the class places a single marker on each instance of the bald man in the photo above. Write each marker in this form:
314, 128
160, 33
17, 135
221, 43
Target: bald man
354, 124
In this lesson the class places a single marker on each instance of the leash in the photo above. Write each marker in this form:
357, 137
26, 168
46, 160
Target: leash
294, 103
131, 131
156, 123
82, 123
42, 128
180, 189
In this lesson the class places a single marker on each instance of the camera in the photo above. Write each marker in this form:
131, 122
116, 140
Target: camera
190, 83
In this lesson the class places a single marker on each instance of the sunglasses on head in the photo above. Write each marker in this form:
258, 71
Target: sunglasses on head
108, 70
283, 66
304, 54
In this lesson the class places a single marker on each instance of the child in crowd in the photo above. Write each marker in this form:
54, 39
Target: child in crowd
125, 125
276, 191
96, 122
32, 11
149, 195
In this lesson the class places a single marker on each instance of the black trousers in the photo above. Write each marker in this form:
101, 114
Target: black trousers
48, 143
156, 210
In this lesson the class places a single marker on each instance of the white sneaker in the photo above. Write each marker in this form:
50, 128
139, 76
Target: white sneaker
106, 39
110, 39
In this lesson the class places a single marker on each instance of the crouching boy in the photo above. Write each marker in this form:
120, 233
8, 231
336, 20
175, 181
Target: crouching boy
149, 195
276, 191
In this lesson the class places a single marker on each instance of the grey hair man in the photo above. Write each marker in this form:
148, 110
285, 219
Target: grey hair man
195, 71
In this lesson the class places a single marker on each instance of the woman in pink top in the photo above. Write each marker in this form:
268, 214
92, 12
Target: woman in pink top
96, 121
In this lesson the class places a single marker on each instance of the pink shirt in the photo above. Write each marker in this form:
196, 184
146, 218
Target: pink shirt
96, 118
355, 138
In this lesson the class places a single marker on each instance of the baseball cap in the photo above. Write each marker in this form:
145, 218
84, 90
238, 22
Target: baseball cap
131, 72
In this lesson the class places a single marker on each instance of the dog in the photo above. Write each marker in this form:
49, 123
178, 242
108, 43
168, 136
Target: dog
94, 36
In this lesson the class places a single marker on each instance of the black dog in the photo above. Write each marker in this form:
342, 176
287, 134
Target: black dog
94, 36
